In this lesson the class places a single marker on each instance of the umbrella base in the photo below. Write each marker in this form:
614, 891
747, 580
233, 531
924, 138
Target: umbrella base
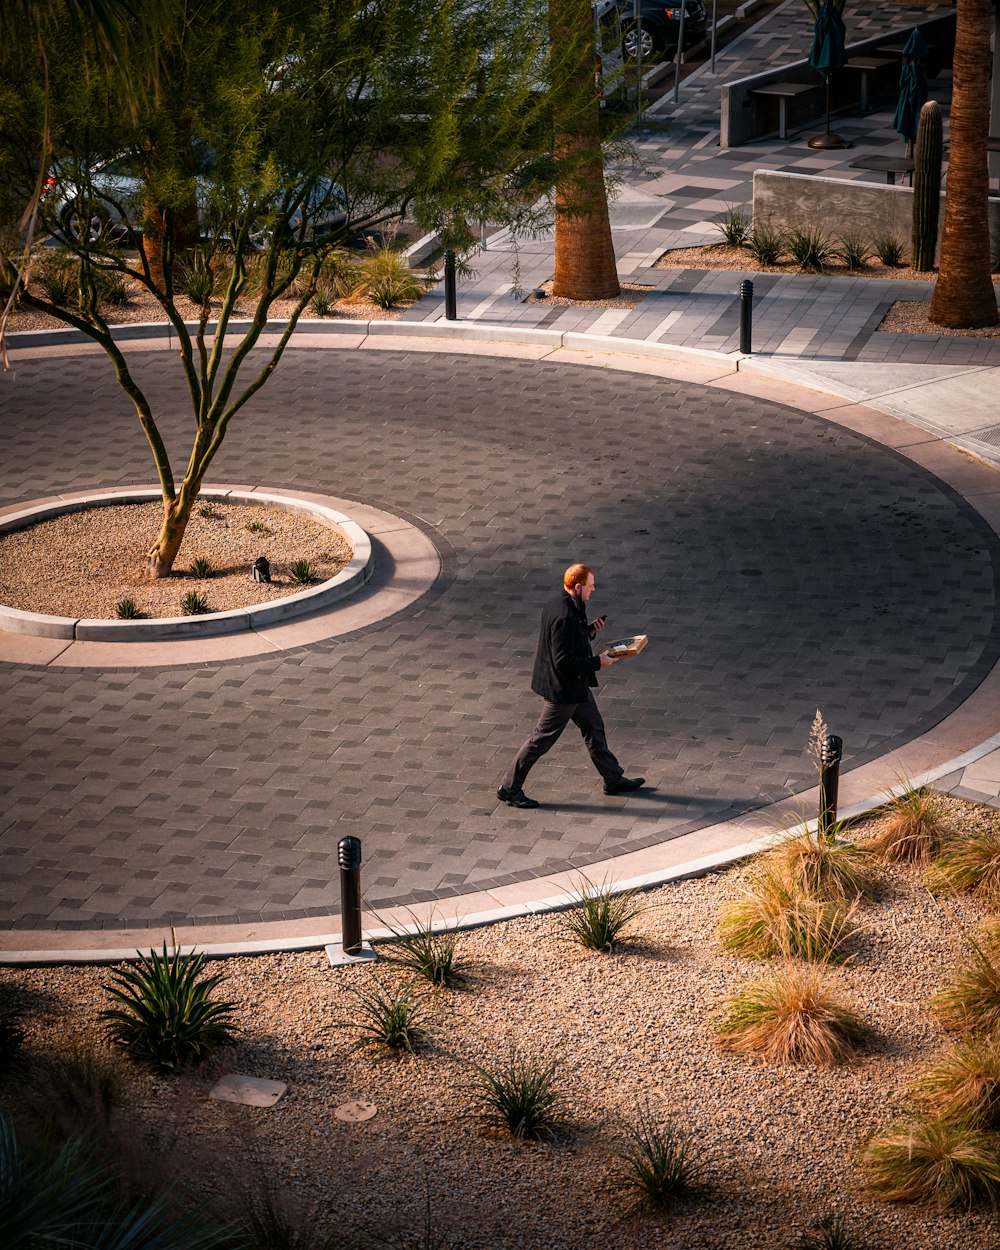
830, 141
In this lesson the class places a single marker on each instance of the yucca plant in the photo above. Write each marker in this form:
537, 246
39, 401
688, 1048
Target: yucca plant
933, 1160
811, 249
196, 279
970, 1001
833, 869
828, 1233
971, 864
166, 1017
766, 245
735, 226
302, 572
128, 610
521, 1096
774, 918
429, 952
854, 250
790, 1016
963, 1083
392, 1018
195, 604
916, 828
663, 1164
889, 249
201, 566
599, 919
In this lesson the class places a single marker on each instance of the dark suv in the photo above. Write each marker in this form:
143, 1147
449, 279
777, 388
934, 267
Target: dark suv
659, 27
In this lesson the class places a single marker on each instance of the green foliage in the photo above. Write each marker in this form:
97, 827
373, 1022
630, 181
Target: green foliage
735, 226
325, 299
927, 186
963, 1083
111, 288
521, 1096
429, 952
828, 1233
210, 513
774, 918
663, 1164
600, 918
59, 279
889, 249
969, 863
166, 1017
201, 566
931, 1160
393, 1018
790, 1016
196, 278
854, 250
810, 249
195, 604
257, 527
386, 279
302, 572
766, 245
128, 610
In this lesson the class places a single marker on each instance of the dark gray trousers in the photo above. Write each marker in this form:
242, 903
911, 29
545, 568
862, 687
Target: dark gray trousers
553, 720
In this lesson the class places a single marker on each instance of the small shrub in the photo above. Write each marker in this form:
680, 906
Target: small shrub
934, 1161
834, 870
963, 1083
257, 527
112, 287
195, 604
341, 271
889, 249
916, 829
854, 250
201, 567
766, 245
77, 1092
429, 952
520, 1096
166, 1017
386, 279
302, 572
128, 610
323, 302
735, 226
828, 1233
970, 1002
209, 512
600, 918
810, 249
196, 279
663, 1164
395, 1019
790, 1016
971, 864
59, 279
774, 918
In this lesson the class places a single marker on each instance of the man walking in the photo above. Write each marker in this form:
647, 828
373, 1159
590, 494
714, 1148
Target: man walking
564, 675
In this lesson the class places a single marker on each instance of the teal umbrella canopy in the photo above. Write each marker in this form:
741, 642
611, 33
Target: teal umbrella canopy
912, 87
829, 38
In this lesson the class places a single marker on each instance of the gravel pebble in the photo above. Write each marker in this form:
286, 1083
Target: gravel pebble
627, 1028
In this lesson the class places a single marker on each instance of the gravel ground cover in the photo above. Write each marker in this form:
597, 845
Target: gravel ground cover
83, 563
627, 1029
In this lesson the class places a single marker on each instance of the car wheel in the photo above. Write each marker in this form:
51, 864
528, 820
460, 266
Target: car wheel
89, 227
638, 35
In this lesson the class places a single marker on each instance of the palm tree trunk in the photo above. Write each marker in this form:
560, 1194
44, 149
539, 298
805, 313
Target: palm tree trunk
585, 255
964, 297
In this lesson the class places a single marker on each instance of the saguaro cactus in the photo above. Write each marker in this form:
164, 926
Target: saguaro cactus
927, 186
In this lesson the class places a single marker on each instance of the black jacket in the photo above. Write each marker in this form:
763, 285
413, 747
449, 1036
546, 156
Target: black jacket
564, 666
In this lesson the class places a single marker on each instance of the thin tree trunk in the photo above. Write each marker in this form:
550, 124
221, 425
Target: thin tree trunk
585, 255
964, 297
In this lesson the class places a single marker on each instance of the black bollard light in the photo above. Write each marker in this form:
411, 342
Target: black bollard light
450, 288
746, 317
829, 782
349, 858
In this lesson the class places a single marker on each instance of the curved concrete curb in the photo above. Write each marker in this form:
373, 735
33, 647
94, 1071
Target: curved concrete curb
351, 578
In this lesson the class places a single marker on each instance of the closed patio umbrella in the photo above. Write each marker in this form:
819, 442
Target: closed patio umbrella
828, 55
912, 87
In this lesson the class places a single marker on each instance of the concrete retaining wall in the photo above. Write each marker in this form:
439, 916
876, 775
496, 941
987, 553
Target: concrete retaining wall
745, 117
799, 201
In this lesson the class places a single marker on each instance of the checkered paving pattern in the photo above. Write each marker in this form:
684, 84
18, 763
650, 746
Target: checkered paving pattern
777, 562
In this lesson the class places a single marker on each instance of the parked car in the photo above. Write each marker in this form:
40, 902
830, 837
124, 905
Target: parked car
99, 205
658, 28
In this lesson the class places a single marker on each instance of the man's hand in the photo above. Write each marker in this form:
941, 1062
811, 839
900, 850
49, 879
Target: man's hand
595, 627
607, 659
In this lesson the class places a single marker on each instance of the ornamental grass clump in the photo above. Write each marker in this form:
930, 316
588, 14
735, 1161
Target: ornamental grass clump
166, 1017
662, 1164
811, 249
790, 1016
775, 918
933, 1160
735, 226
969, 864
600, 919
520, 1096
833, 869
829, 1233
970, 1001
916, 828
392, 1018
963, 1083
432, 953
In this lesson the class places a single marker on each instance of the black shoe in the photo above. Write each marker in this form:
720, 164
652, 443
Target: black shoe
623, 784
516, 798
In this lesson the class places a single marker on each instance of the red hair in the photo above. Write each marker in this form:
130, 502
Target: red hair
577, 573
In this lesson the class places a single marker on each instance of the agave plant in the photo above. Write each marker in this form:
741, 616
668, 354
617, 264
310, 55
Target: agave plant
166, 1016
